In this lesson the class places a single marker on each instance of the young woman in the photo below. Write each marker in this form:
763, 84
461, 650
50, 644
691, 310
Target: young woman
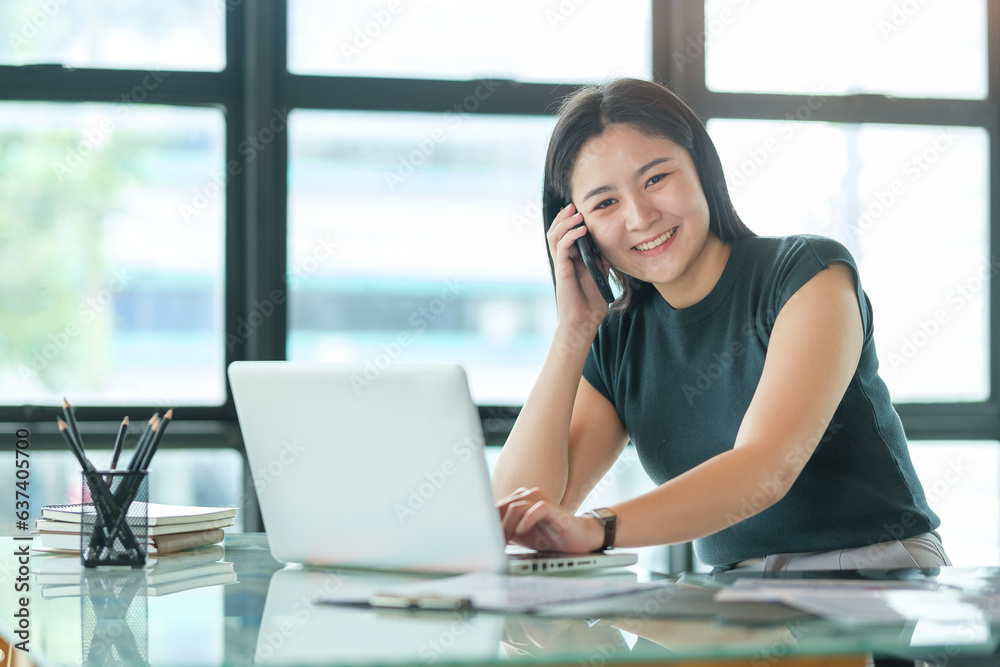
742, 368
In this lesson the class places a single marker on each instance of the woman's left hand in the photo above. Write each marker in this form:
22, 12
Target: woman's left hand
532, 519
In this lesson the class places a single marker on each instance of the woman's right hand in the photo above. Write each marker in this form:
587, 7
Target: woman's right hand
580, 304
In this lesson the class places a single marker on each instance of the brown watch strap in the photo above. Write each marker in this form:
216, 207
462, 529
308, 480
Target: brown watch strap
610, 522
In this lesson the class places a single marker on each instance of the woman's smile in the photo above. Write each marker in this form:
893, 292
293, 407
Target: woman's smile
657, 245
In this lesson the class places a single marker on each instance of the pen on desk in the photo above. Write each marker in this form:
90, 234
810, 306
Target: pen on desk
122, 430
74, 430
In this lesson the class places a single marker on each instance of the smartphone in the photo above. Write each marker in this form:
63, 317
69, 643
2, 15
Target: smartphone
588, 249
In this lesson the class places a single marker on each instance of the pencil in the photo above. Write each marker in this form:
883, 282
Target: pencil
98, 489
154, 427
73, 446
158, 430
71, 422
122, 430
136, 460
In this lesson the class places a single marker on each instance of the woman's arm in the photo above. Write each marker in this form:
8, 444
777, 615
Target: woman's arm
812, 356
565, 438
566, 435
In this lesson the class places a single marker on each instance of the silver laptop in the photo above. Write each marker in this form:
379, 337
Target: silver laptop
377, 468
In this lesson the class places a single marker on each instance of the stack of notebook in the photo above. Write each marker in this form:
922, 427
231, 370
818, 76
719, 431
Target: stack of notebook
171, 528
62, 575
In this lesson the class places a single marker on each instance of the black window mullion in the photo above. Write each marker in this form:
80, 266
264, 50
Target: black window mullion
54, 83
261, 328
993, 126
845, 109
236, 204
490, 96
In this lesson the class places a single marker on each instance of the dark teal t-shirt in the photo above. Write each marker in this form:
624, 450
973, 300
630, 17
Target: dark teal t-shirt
682, 380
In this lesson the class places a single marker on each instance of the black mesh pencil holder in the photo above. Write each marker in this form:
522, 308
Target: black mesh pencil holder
114, 617
114, 529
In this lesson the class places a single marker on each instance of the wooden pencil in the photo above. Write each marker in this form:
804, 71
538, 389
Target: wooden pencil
119, 441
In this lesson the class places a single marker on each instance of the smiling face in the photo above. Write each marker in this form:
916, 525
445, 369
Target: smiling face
642, 201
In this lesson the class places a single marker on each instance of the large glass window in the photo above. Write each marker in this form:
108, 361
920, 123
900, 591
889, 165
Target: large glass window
962, 484
119, 34
144, 220
519, 40
111, 254
418, 237
912, 205
904, 49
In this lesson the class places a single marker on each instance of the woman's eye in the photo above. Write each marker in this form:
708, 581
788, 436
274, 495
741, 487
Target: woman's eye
656, 179
604, 204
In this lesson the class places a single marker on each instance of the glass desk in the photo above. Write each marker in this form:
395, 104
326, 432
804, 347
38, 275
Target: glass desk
269, 616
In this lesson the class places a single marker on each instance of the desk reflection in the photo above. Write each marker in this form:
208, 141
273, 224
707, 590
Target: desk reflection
296, 629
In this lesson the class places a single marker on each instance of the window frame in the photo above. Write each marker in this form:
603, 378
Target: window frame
679, 21
256, 81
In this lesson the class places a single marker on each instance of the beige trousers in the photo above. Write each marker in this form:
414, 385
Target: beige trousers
921, 551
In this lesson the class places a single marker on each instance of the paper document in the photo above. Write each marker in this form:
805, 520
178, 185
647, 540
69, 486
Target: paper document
857, 602
486, 591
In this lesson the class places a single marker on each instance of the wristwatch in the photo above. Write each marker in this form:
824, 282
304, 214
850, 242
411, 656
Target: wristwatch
610, 522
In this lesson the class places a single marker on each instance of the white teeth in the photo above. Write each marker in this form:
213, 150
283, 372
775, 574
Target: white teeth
657, 241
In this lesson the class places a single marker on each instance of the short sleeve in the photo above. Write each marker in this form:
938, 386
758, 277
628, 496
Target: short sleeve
806, 256
593, 370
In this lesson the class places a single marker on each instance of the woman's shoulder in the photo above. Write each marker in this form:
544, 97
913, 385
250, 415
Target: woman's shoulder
783, 248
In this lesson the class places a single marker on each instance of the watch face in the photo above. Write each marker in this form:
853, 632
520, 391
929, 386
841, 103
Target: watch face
605, 514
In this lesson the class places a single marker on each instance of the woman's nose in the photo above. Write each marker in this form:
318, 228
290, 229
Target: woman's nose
640, 215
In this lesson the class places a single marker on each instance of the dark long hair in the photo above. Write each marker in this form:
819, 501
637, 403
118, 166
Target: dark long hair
653, 110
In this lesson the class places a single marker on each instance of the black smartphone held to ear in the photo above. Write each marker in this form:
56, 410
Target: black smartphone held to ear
588, 250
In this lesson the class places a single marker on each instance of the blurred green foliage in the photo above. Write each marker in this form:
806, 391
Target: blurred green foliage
55, 188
